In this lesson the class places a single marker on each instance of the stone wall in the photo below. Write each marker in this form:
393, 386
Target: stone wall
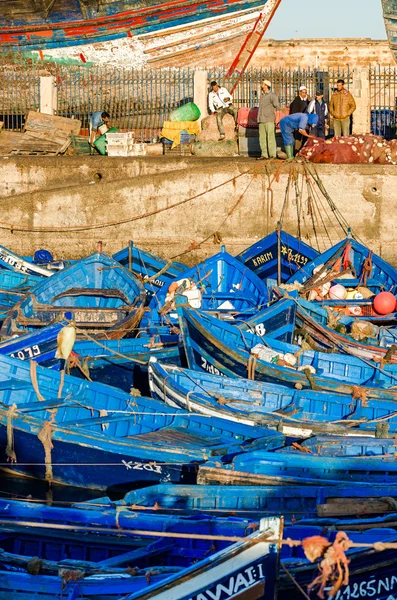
68, 192
332, 52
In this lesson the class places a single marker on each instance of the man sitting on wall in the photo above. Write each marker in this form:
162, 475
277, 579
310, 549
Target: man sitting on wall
220, 103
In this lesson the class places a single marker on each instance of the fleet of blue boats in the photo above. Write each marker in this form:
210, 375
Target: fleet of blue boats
229, 428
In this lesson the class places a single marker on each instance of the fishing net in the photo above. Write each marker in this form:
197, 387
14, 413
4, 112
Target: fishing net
364, 149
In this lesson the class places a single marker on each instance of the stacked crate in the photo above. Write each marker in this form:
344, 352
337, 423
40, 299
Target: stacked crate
122, 144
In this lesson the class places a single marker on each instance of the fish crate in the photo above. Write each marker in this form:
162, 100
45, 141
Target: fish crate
120, 139
130, 149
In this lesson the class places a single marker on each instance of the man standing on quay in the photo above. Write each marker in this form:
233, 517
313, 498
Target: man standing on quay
341, 107
268, 105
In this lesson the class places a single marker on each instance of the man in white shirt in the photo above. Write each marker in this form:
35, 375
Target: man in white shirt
220, 103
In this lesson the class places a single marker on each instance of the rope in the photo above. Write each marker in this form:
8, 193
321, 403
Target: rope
295, 582
12, 227
45, 437
33, 377
10, 452
215, 234
378, 546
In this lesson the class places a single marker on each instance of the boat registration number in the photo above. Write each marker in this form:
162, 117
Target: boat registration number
137, 466
85, 316
27, 353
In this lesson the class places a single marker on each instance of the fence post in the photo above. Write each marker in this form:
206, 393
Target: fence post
362, 96
200, 86
48, 95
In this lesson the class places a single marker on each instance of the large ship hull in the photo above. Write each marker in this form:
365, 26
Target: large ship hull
390, 16
26, 25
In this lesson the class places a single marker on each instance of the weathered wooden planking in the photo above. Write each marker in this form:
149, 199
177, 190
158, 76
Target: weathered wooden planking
62, 126
354, 508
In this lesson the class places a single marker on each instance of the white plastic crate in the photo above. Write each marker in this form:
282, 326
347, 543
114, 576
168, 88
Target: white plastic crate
117, 150
119, 139
126, 149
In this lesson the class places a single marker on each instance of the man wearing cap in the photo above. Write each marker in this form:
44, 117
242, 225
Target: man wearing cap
299, 105
220, 103
268, 104
293, 123
320, 108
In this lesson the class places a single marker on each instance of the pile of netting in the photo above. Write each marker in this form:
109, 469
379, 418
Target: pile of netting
368, 148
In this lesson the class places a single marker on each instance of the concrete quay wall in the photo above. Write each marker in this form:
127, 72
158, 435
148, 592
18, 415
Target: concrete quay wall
69, 192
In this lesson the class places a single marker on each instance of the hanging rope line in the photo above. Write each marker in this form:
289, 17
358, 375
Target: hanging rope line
43, 229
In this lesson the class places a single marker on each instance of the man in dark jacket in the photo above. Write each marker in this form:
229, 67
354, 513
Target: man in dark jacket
299, 105
320, 108
268, 105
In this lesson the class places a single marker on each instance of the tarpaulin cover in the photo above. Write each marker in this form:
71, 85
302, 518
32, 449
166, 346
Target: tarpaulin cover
172, 130
351, 150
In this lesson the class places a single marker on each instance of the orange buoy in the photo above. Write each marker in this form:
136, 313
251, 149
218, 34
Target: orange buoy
384, 303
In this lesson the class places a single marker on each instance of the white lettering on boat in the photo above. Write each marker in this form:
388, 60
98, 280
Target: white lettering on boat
207, 366
236, 584
137, 466
369, 589
12, 261
27, 353
259, 329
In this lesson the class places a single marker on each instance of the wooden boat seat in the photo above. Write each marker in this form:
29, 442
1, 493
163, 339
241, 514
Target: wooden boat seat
176, 436
105, 293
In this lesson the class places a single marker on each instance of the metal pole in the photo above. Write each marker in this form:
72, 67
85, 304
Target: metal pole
278, 252
130, 245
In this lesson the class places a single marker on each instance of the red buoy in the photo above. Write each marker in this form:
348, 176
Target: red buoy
384, 303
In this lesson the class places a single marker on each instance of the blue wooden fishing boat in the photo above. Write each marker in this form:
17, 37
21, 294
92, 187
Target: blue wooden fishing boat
298, 413
162, 565
88, 554
124, 363
153, 271
300, 468
96, 292
220, 284
371, 573
220, 348
277, 256
250, 502
353, 266
313, 324
17, 264
40, 346
92, 435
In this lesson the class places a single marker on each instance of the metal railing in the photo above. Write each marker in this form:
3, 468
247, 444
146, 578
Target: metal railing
136, 99
383, 99
142, 99
19, 93
286, 83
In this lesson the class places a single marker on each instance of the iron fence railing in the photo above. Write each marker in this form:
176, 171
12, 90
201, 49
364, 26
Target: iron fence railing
141, 99
383, 100
286, 82
137, 99
19, 93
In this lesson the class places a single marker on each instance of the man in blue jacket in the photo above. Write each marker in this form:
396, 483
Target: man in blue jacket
320, 108
297, 122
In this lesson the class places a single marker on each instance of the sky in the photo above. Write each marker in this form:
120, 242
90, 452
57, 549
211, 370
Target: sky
322, 18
